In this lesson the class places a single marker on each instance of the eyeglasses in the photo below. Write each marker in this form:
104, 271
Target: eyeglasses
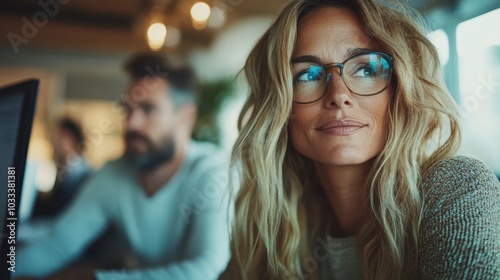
363, 74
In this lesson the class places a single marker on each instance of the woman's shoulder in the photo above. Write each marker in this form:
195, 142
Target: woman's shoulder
461, 183
459, 230
459, 174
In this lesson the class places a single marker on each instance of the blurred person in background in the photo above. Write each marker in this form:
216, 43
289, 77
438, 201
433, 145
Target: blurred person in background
167, 193
72, 169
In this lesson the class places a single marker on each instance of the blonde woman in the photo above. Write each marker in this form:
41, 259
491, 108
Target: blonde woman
347, 155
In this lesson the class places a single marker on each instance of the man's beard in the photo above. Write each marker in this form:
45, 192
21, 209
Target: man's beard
153, 157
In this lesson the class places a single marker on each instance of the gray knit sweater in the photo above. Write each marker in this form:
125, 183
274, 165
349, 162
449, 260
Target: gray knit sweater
460, 229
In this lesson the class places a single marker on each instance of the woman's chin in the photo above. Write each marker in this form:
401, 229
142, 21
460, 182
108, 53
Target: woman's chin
344, 157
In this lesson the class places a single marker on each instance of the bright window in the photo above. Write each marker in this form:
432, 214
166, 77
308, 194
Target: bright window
478, 47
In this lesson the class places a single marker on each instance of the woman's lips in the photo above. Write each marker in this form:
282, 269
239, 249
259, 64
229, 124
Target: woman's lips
341, 127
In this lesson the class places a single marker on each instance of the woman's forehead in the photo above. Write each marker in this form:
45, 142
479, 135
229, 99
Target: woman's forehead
329, 33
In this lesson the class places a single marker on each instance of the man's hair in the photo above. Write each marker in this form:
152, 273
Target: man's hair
182, 81
75, 130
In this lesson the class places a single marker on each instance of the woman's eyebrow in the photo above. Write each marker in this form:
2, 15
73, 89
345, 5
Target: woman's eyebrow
349, 53
306, 58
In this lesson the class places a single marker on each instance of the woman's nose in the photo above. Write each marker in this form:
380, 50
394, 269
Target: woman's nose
337, 93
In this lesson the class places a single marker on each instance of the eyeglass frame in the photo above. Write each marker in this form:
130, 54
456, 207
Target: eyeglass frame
329, 66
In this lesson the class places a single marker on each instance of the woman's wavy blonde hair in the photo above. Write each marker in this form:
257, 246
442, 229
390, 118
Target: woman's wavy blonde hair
279, 205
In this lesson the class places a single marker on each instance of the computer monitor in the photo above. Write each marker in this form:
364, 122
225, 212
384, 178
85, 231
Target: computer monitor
17, 108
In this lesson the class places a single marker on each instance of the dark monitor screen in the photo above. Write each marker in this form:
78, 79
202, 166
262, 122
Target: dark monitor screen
17, 106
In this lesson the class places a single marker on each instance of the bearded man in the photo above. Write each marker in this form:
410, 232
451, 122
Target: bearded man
167, 193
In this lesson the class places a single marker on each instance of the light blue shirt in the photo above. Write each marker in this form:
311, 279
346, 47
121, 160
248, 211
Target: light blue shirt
182, 232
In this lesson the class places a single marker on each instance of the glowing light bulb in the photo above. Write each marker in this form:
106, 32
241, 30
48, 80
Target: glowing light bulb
157, 32
200, 12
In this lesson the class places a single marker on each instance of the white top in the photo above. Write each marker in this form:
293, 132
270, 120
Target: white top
181, 232
338, 259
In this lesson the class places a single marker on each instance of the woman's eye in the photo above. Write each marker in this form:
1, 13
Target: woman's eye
313, 73
368, 70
